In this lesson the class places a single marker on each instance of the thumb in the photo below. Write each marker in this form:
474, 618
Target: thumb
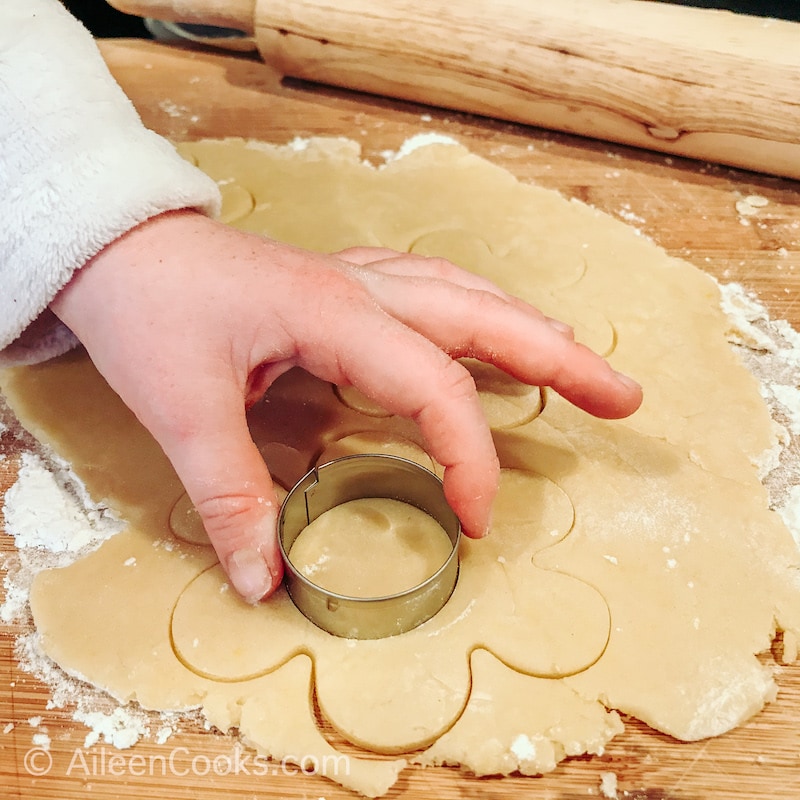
227, 480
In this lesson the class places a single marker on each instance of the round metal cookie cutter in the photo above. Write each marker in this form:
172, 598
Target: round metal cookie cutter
350, 478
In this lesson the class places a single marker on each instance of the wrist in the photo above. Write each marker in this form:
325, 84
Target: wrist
102, 278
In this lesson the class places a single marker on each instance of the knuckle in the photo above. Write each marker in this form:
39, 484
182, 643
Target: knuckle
229, 515
340, 288
456, 382
486, 302
443, 269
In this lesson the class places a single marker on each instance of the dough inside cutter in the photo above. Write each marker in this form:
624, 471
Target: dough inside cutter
371, 547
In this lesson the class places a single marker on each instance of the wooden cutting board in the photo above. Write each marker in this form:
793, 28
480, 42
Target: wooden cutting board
687, 207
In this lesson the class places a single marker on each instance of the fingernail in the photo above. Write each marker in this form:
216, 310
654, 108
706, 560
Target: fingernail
482, 532
629, 383
249, 574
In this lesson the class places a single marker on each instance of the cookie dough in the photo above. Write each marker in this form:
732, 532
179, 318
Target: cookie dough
632, 566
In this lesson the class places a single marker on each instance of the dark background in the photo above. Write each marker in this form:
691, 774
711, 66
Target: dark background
103, 20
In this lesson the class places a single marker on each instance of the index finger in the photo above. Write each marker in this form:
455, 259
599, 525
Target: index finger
410, 376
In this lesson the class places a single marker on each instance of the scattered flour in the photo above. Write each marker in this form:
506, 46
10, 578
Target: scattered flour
163, 734
172, 109
729, 697
41, 740
771, 351
42, 511
608, 785
122, 728
749, 206
118, 725
790, 511
53, 521
789, 398
628, 215
414, 143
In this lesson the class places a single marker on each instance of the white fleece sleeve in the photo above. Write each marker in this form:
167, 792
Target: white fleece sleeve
77, 170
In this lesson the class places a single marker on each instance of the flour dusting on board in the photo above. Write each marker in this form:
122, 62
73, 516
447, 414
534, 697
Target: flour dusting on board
771, 351
54, 522
414, 143
608, 785
50, 509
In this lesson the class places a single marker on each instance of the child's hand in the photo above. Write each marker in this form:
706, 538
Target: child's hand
190, 321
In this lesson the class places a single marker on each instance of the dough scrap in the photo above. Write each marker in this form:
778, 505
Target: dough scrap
632, 565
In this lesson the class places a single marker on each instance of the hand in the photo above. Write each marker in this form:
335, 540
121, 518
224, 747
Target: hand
190, 321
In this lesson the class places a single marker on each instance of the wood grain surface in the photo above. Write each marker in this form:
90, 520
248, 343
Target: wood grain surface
688, 207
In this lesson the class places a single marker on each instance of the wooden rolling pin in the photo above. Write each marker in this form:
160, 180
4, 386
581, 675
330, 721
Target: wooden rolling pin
693, 82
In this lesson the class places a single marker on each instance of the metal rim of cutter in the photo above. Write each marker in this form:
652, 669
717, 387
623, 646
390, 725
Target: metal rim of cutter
351, 478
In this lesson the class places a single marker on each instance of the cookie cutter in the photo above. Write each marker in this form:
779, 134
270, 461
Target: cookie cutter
350, 478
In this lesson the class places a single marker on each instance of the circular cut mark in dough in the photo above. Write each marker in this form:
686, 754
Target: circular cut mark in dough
186, 525
237, 202
546, 263
591, 327
370, 547
380, 442
595, 331
530, 513
356, 400
286, 465
185, 522
506, 402
515, 264
460, 246
217, 635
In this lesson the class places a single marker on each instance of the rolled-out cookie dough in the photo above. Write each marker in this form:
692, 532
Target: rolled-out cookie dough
631, 566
